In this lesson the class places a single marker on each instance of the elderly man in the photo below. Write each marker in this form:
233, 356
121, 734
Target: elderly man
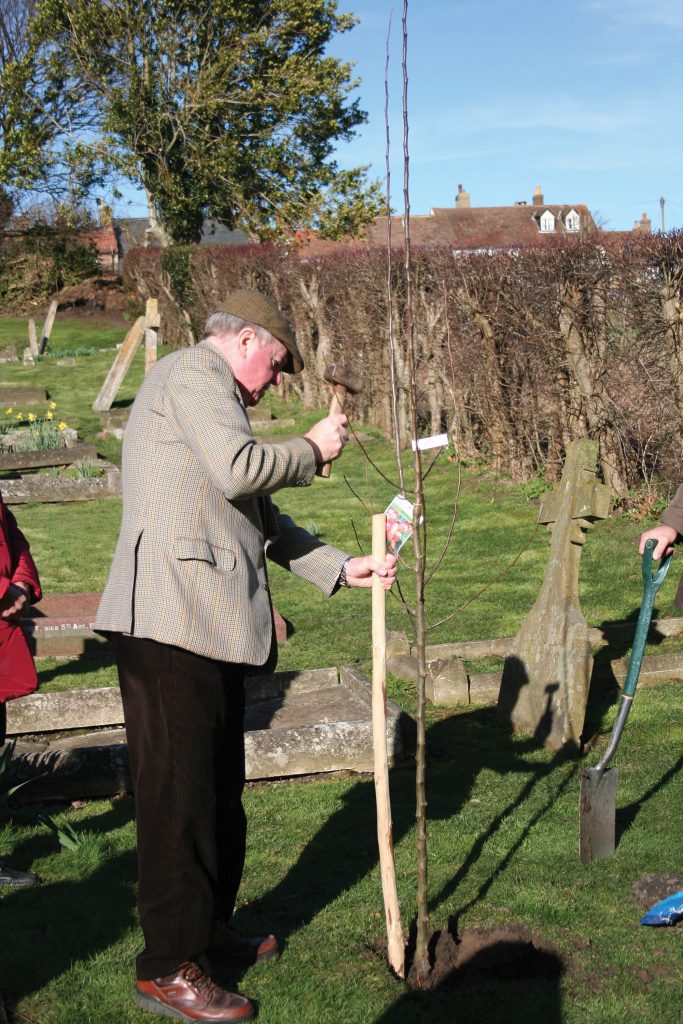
188, 604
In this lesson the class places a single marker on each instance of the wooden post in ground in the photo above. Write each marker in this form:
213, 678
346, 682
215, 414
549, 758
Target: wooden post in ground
32, 337
385, 839
152, 323
119, 368
47, 327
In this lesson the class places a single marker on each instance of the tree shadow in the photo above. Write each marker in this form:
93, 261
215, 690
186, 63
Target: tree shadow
627, 815
459, 748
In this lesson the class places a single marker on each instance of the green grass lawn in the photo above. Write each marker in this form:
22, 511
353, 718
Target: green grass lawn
503, 816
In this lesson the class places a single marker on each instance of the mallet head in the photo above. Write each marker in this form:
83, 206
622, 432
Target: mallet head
343, 377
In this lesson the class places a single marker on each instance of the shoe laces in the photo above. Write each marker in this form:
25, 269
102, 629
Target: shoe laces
198, 977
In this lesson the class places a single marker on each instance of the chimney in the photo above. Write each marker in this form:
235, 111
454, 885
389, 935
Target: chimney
644, 225
538, 197
462, 200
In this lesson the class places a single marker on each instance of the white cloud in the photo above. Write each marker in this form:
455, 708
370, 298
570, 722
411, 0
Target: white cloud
655, 13
527, 113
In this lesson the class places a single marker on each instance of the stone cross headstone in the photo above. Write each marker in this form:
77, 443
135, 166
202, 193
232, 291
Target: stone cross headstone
546, 676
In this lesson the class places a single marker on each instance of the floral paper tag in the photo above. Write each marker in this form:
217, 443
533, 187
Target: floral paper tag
399, 515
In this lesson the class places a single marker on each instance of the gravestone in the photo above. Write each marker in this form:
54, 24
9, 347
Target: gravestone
546, 676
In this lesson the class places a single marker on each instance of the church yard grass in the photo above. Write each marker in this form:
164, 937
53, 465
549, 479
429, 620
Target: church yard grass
503, 816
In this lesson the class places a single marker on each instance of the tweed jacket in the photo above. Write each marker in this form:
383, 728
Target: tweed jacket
673, 516
189, 568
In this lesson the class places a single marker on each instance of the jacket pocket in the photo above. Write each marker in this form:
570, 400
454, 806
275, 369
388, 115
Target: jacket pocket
197, 550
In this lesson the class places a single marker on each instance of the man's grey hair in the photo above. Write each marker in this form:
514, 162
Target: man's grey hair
222, 324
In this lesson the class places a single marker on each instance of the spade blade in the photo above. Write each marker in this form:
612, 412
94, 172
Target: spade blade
597, 814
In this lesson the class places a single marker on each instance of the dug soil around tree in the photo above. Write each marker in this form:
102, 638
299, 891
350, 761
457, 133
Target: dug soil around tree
503, 951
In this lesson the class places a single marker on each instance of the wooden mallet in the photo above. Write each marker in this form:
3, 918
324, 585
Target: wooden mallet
343, 381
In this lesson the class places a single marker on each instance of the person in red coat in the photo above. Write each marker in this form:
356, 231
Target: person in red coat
19, 588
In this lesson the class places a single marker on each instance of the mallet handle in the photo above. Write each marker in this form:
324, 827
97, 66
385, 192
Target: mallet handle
336, 405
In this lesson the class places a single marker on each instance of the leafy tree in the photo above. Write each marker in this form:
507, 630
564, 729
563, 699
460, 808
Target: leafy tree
228, 109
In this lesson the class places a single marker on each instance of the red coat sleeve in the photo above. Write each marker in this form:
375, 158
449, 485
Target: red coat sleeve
23, 567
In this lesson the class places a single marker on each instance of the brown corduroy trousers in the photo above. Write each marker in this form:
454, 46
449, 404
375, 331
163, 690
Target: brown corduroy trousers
184, 719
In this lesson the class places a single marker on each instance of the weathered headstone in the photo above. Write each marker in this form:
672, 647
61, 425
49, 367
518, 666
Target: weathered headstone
152, 324
119, 368
33, 337
546, 676
47, 327
144, 327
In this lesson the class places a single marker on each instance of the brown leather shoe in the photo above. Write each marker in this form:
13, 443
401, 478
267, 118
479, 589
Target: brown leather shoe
243, 949
190, 994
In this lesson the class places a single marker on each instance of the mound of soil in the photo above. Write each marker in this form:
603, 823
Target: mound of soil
506, 951
94, 297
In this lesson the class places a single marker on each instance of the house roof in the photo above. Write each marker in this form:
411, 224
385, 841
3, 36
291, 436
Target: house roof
475, 227
132, 232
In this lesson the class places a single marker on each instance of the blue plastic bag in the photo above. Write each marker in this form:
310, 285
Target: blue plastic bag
667, 911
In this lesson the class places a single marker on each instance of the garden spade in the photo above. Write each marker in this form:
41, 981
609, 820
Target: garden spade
598, 797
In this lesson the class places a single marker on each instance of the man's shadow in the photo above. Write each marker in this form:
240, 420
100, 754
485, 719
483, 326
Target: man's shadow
344, 850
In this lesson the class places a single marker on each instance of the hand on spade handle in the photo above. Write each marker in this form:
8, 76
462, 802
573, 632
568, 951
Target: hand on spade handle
664, 537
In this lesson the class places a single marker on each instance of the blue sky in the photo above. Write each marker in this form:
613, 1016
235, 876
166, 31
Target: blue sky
582, 97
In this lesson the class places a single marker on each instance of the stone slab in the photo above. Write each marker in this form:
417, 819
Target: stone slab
11, 394
40, 458
61, 626
116, 417
50, 489
655, 668
297, 723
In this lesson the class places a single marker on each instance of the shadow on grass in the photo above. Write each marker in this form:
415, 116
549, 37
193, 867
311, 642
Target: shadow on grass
605, 690
344, 851
46, 929
81, 666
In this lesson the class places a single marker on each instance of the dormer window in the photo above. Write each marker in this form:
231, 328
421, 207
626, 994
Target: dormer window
572, 222
547, 221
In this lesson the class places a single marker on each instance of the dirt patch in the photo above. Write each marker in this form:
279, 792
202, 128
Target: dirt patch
505, 952
650, 889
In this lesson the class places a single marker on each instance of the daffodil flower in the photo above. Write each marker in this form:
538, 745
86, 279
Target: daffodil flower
49, 415
8, 412
31, 417
19, 416
62, 425
53, 405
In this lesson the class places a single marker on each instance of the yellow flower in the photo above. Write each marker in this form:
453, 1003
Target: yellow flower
8, 412
49, 415
19, 416
31, 417
62, 425
53, 405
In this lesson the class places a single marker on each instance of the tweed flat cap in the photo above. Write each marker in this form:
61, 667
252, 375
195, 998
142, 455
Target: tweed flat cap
256, 308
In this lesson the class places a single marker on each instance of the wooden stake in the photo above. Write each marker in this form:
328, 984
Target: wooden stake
385, 841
